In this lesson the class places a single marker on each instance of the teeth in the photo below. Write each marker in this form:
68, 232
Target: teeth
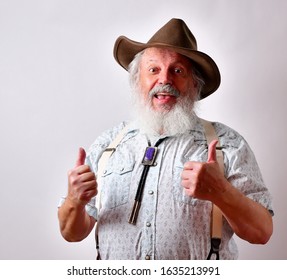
161, 96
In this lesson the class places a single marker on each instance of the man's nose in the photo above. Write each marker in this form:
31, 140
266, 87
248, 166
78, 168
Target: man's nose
164, 77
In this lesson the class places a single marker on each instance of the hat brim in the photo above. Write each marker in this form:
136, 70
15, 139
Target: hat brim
125, 50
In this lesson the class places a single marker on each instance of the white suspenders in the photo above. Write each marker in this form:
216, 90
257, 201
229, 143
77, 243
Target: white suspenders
216, 216
104, 160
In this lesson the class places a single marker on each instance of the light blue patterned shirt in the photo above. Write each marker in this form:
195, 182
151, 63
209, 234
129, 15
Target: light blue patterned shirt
170, 225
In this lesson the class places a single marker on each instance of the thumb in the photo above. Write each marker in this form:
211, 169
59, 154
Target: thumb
212, 151
81, 157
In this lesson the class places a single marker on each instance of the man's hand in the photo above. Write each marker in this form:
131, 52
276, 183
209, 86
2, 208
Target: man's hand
82, 182
203, 180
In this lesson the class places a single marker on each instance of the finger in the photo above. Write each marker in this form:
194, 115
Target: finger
188, 165
89, 193
88, 186
184, 175
82, 169
88, 176
212, 151
81, 157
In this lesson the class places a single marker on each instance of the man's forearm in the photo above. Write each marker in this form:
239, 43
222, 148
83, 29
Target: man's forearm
249, 220
75, 223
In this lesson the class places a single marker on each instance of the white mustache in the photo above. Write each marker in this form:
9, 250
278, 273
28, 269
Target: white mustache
164, 89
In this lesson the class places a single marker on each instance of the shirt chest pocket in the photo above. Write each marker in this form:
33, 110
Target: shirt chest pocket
116, 180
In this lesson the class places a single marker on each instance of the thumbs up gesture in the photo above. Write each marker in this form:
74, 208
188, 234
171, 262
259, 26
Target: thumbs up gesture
82, 181
203, 180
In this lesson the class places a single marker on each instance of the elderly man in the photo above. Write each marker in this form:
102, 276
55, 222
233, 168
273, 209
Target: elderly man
162, 181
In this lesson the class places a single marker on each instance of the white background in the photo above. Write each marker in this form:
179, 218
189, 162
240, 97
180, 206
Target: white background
60, 87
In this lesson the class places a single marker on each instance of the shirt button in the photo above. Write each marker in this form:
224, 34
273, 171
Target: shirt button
150, 192
148, 224
147, 257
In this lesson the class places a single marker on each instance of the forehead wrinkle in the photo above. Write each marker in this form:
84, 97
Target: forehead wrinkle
159, 55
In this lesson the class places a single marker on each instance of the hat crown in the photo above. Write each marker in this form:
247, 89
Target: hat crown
175, 33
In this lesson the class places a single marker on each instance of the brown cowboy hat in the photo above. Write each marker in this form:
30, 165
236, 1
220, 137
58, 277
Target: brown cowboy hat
174, 35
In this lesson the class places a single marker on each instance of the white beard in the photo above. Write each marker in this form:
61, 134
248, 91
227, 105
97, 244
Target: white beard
178, 119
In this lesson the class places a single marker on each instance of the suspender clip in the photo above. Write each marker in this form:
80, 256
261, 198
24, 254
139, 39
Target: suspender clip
215, 242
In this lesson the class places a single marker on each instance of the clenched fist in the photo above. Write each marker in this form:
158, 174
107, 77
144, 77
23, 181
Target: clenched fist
82, 181
204, 180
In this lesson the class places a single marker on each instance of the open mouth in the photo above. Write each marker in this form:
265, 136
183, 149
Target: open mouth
163, 92
163, 96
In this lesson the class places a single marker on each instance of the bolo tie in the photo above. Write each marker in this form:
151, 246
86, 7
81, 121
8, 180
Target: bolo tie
147, 161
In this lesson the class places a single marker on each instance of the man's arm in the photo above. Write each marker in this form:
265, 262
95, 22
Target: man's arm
248, 219
75, 223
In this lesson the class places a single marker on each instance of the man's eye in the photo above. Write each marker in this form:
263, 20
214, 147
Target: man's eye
178, 70
152, 70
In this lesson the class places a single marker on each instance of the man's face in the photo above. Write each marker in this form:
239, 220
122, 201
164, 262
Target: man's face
159, 67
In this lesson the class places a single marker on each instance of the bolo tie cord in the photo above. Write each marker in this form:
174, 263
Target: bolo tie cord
148, 161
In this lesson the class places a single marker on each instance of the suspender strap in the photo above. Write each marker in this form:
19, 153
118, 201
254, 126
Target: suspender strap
101, 168
104, 160
216, 221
